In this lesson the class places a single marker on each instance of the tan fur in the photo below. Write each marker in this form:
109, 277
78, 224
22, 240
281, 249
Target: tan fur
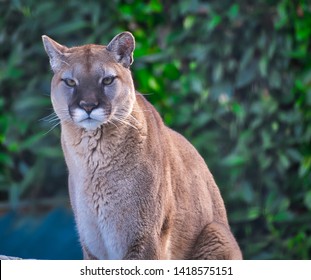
138, 189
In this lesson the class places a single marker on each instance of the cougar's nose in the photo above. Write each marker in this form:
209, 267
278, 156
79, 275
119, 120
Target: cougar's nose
88, 106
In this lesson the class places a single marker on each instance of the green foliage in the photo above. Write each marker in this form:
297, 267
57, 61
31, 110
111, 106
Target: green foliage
233, 77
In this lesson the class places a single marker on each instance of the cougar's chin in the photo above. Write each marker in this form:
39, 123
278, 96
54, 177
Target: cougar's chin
90, 124
89, 121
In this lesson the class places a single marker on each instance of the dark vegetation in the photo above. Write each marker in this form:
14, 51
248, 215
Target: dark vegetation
232, 76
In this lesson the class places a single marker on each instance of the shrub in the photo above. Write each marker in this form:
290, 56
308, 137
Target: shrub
234, 78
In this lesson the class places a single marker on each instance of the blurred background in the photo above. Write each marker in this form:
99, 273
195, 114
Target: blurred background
233, 77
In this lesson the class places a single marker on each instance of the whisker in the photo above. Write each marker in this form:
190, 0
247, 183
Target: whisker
55, 125
111, 122
64, 114
49, 117
46, 94
52, 119
151, 93
139, 111
55, 120
133, 118
123, 121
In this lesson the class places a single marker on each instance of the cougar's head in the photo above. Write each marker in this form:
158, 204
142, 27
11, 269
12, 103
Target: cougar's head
92, 84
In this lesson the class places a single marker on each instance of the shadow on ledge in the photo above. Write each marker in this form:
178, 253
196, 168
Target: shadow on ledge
49, 236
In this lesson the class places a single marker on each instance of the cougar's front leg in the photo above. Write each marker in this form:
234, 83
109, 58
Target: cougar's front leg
216, 242
143, 249
87, 255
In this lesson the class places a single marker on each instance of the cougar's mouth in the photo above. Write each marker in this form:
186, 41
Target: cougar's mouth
90, 124
91, 120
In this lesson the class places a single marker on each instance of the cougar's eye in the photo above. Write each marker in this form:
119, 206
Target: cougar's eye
70, 82
108, 80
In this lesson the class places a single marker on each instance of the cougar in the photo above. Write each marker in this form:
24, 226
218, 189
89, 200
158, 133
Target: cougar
138, 189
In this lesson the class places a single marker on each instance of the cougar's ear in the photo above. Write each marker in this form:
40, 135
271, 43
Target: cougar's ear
55, 52
122, 47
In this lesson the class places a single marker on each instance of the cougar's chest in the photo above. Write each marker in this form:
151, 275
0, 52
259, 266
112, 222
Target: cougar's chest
99, 225
103, 191
100, 205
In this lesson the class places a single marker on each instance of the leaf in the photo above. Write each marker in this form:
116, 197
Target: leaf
50, 152
6, 160
233, 12
171, 71
247, 192
69, 27
248, 54
253, 213
246, 75
189, 22
294, 154
217, 73
284, 161
263, 66
214, 22
221, 88
30, 142
307, 200
235, 160
153, 84
155, 6
283, 216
